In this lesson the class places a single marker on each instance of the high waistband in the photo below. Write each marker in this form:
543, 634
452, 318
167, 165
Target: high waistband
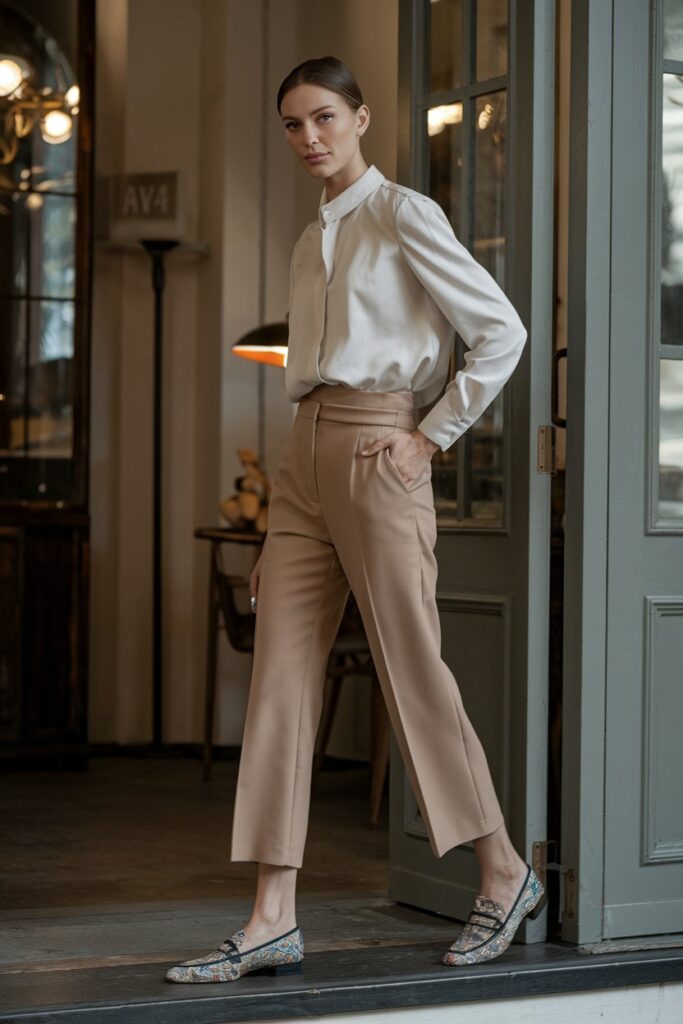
355, 405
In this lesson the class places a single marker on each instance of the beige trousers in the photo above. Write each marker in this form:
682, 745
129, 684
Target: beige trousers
338, 519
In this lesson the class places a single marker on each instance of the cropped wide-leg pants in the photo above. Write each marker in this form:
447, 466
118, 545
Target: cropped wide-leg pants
338, 520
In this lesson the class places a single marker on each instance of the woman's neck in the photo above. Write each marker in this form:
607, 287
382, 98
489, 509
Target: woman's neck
337, 183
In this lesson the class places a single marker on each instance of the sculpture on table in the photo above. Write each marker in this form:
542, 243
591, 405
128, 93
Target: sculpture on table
247, 508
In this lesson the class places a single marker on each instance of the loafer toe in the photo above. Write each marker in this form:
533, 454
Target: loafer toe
281, 955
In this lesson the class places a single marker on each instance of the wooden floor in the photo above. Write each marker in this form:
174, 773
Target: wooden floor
111, 875
129, 863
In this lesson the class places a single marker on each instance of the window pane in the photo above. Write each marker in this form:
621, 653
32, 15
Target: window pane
444, 129
36, 407
672, 212
12, 377
13, 241
489, 178
54, 165
486, 463
445, 468
445, 483
446, 43
673, 30
671, 439
492, 38
53, 245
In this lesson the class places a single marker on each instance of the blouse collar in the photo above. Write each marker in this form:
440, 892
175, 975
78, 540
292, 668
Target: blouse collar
350, 198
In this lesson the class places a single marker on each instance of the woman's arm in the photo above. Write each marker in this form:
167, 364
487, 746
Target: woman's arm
473, 302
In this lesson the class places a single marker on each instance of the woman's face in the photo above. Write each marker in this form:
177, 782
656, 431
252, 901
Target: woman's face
321, 129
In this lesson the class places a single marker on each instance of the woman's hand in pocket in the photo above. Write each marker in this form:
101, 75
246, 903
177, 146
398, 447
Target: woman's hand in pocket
410, 452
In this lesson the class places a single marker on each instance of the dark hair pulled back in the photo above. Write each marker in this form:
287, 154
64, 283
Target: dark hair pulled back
329, 72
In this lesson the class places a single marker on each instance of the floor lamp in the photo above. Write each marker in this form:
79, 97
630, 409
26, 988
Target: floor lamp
158, 250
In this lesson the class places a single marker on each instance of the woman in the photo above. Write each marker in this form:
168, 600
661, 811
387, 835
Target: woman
377, 284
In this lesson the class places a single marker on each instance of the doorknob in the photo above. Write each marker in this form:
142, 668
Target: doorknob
559, 421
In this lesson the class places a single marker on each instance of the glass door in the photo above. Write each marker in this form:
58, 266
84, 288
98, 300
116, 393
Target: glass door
469, 67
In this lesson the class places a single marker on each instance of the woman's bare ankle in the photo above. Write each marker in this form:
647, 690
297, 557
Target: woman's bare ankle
261, 928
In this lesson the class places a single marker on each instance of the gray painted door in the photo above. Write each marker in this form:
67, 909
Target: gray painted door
643, 869
477, 116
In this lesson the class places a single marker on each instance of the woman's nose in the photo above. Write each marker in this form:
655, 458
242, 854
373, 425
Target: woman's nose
310, 136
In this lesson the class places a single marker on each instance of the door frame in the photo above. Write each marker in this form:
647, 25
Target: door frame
586, 512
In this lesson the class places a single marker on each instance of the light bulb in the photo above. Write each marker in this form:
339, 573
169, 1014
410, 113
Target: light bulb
11, 76
55, 127
439, 117
73, 96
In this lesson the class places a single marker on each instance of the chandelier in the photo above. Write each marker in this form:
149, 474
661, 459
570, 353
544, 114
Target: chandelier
23, 104
39, 98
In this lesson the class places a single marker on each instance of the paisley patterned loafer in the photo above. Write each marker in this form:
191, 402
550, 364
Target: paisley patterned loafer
282, 955
489, 931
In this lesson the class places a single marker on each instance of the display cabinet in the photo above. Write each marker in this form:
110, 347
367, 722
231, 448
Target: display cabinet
46, 93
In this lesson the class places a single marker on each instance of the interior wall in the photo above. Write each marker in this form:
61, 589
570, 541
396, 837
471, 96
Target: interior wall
365, 37
197, 104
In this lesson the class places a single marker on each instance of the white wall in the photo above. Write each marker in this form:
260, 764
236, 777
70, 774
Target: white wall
638, 1004
196, 104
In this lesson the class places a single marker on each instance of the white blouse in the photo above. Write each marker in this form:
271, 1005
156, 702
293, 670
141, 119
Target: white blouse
378, 284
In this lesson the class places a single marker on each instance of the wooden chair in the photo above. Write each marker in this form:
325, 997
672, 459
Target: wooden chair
350, 656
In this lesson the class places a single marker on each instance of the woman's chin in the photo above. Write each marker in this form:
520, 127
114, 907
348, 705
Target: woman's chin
319, 168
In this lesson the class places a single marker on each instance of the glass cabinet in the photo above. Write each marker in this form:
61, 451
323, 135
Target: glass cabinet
46, 76
43, 276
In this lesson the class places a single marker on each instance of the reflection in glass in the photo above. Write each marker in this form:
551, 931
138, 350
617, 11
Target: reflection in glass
671, 439
445, 467
40, 113
50, 400
485, 466
12, 387
489, 178
466, 147
13, 241
53, 232
38, 170
673, 30
444, 133
446, 45
672, 212
492, 38
36, 414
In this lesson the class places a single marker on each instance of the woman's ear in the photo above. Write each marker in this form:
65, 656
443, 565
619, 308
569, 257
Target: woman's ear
363, 115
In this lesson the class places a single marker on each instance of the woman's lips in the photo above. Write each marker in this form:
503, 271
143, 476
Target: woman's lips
315, 158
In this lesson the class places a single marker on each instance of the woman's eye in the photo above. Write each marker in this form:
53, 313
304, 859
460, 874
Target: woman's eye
326, 115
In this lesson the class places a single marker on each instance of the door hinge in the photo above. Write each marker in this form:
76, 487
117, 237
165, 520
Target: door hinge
545, 449
541, 865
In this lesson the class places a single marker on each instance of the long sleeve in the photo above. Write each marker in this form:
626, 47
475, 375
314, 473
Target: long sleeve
473, 302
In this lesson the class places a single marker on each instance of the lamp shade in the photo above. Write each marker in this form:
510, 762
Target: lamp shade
265, 344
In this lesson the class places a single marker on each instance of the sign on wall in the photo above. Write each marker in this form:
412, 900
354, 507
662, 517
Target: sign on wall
146, 206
